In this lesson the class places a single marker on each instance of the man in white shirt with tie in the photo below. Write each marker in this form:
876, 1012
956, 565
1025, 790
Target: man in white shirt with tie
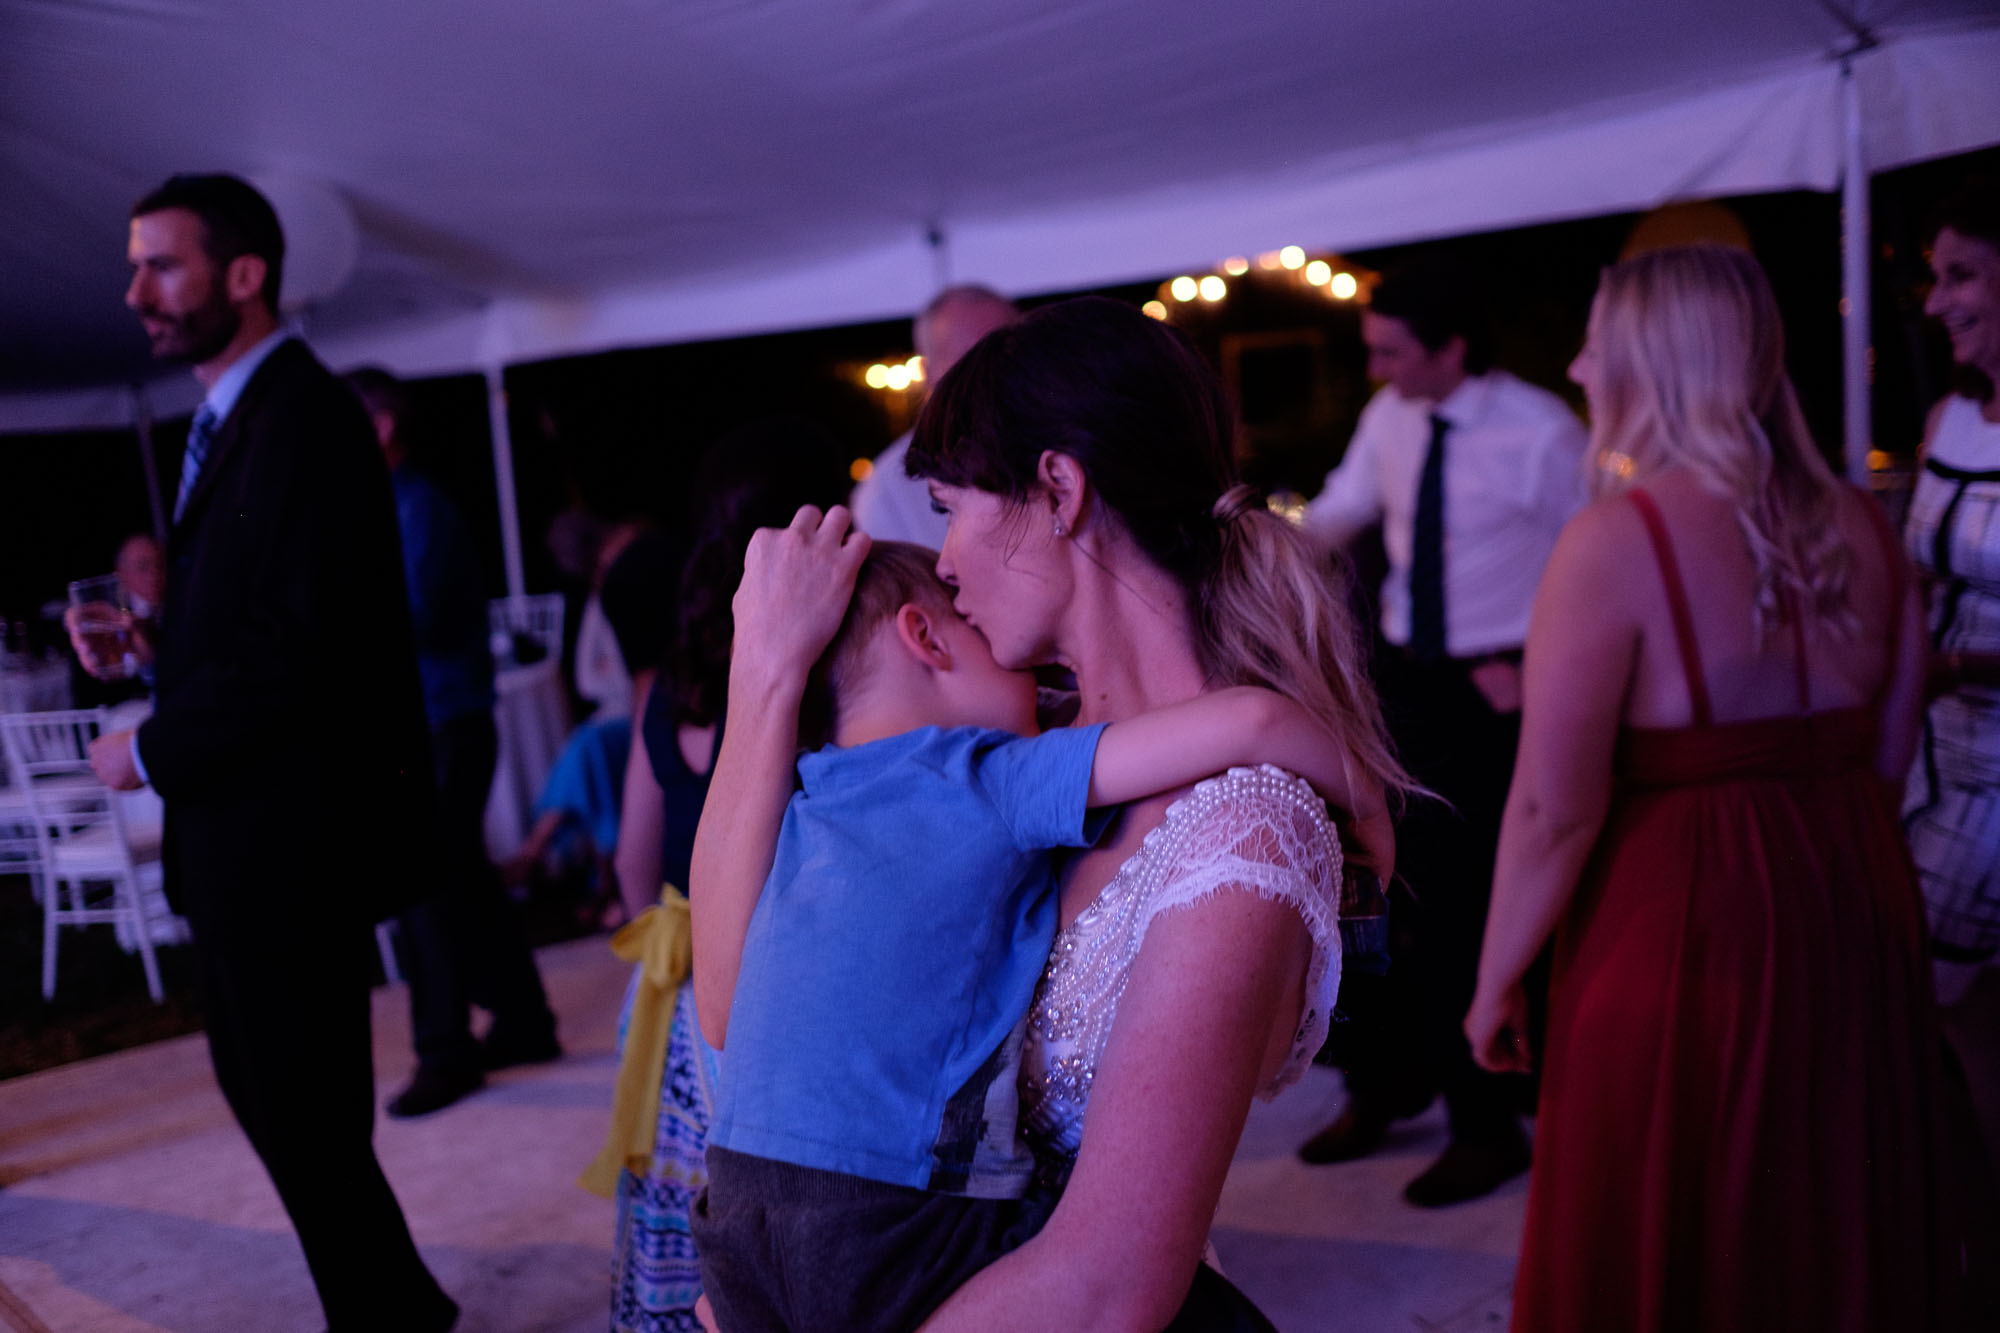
1471, 473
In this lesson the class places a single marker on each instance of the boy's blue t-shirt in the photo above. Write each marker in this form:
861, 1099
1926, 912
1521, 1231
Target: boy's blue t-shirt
890, 962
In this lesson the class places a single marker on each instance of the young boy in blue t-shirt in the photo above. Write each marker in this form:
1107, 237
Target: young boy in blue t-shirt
862, 1157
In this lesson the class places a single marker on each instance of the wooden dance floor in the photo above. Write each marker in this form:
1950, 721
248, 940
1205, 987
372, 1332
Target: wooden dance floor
130, 1203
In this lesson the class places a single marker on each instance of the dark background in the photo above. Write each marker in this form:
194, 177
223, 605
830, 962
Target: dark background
619, 433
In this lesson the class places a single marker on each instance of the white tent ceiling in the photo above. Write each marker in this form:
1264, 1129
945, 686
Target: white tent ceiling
532, 179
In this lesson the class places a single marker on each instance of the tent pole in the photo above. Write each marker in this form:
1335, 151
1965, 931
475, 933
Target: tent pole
503, 480
142, 421
1857, 391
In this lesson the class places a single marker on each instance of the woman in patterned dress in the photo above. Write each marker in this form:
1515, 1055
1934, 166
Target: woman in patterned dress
1952, 806
755, 477
1083, 458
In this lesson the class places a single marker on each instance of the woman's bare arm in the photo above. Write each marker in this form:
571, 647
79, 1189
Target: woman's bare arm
1582, 652
1903, 695
642, 815
1216, 988
797, 582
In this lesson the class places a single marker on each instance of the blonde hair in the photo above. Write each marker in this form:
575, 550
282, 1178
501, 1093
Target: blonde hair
1691, 372
1273, 612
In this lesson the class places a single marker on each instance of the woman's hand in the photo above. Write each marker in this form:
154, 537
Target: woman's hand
796, 585
1497, 1027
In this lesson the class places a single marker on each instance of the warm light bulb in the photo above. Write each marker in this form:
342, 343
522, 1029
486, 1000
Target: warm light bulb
898, 377
1344, 286
1184, 288
877, 376
1268, 260
1318, 272
859, 469
916, 365
1292, 257
1213, 288
1156, 309
1236, 266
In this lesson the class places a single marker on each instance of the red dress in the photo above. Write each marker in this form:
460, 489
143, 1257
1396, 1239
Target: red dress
1740, 1124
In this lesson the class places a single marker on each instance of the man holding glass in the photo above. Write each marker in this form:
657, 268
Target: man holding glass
288, 739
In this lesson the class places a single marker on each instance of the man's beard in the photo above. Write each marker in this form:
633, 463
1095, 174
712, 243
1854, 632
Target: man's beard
199, 335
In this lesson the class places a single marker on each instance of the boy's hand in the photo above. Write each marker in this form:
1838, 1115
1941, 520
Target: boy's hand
796, 585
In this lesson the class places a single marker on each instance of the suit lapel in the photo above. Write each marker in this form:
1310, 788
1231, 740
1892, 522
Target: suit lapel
230, 435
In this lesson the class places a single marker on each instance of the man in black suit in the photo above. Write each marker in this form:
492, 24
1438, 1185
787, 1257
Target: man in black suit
288, 739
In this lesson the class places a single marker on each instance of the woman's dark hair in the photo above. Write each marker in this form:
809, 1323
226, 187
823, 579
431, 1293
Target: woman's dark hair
1151, 425
1972, 209
755, 477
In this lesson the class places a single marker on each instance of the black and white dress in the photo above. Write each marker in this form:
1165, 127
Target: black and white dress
1952, 807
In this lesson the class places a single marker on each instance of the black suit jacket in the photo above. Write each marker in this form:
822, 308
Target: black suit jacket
288, 740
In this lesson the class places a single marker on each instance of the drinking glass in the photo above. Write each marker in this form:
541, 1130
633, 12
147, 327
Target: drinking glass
104, 621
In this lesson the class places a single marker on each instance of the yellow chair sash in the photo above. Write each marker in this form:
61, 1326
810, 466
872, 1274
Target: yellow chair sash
660, 941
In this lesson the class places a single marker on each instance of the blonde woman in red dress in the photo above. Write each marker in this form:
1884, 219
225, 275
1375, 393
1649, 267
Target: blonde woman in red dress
1740, 1118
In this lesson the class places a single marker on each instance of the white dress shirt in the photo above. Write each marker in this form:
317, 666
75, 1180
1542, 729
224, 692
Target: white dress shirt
891, 505
1513, 476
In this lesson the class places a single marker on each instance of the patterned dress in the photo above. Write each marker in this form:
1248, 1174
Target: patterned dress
1258, 829
1951, 810
656, 1278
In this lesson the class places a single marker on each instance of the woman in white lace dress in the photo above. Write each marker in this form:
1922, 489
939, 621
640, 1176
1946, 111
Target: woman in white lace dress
1084, 460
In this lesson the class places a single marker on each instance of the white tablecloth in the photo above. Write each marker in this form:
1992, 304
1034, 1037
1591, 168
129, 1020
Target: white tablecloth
533, 721
38, 687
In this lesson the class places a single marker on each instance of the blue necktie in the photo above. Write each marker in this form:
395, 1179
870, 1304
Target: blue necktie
201, 434
1427, 639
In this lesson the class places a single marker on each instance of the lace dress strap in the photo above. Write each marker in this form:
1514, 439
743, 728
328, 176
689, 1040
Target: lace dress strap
1677, 603
1263, 831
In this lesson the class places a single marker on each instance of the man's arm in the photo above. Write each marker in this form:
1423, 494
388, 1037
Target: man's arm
795, 590
1351, 500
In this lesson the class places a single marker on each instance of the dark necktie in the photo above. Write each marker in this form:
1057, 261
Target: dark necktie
1427, 639
201, 434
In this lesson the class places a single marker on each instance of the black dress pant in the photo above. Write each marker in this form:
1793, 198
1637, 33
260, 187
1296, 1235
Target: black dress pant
463, 943
1409, 1041
285, 996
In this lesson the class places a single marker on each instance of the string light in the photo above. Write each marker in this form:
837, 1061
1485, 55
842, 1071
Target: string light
1213, 288
1268, 260
859, 469
1292, 256
1344, 286
1157, 309
1236, 266
1184, 288
915, 365
898, 377
1318, 272
877, 376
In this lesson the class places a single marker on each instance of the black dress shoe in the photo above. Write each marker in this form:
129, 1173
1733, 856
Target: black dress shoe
1468, 1171
503, 1050
433, 1089
1358, 1131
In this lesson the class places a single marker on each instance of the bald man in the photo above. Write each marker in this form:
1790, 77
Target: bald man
889, 505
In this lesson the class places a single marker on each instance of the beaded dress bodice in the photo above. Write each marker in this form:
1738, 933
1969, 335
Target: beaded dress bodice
1258, 830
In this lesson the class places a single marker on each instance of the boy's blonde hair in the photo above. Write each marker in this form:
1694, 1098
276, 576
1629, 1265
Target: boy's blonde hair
893, 575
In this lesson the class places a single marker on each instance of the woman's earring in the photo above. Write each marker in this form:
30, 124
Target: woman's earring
1059, 526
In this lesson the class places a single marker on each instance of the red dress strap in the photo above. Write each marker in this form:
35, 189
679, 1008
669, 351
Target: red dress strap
1677, 603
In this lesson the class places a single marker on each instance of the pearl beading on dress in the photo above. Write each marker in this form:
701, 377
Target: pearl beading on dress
1255, 829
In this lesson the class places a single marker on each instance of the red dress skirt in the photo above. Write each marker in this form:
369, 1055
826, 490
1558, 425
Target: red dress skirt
1740, 1124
